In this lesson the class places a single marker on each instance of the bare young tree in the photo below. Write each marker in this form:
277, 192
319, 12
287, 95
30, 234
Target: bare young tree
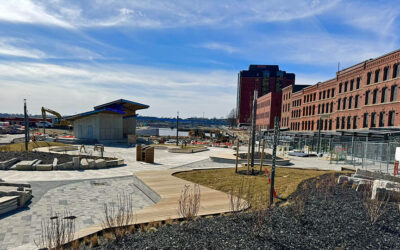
118, 216
232, 118
189, 202
56, 231
376, 207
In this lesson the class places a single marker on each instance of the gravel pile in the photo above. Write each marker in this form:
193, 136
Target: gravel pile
47, 158
335, 219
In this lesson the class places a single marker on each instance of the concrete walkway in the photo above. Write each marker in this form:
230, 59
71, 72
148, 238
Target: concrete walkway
169, 188
83, 199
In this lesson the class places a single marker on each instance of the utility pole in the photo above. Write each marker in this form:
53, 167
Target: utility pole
177, 127
253, 130
276, 131
26, 121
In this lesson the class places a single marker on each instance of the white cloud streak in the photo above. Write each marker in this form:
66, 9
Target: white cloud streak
77, 88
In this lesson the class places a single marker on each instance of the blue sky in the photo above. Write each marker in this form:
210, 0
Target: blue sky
176, 55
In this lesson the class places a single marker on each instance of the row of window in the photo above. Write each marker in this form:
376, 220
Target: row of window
345, 103
296, 113
384, 92
369, 120
286, 96
350, 85
349, 122
285, 107
296, 103
285, 121
386, 74
264, 104
326, 94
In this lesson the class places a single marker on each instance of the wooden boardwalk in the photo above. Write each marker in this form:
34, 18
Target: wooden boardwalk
169, 189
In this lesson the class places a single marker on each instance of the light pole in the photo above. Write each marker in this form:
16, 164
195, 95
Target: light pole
26, 121
253, 130
276, 131
177, 128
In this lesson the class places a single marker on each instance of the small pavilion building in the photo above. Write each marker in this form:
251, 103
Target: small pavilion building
111, 121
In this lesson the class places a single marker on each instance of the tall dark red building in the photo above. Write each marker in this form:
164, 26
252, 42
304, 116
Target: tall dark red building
264, 78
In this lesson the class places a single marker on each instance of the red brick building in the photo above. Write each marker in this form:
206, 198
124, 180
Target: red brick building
365, 95
268, 106
264, 79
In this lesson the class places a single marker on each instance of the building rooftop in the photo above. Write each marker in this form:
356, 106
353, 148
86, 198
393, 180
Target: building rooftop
121, 106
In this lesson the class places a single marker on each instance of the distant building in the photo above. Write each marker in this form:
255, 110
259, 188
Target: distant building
264, 79
268, 106
111, 121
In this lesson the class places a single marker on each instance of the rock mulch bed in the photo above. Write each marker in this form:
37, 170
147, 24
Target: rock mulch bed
333, 219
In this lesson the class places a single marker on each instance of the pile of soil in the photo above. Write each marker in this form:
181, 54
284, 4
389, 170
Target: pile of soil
47, 158
333, 219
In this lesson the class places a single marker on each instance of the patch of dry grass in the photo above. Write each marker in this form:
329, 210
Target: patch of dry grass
225, 180
21, 146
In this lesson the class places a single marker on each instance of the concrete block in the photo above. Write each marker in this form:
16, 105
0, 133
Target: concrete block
64, 166
375, 176
112, 163
44, 167
100, 163
55, 161
87, 163
5, 165
75, 161
24, 165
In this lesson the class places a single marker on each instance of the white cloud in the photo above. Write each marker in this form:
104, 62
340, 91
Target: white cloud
7, 49
156, 14
77, 88
26, 11
219, 46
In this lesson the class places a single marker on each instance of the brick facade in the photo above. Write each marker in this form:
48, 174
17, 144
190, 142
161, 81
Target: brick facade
362, 96
268, 106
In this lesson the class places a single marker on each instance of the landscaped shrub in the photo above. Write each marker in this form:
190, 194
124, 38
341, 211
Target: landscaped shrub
189, 202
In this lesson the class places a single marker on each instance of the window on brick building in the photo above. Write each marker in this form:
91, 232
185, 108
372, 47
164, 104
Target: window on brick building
326, 125
375, 96
338, 104
358, 82
396, 70
337, 123
323, 94
331, 107
333, 92
340, 88
386, 73
344, 103
330, 124
355, 122
313, 109
384, 94
312, 125
367, 97
377, 75
393, 93
351, 84
327, 108
382, 119
356, 101
345, 86
365, 121
328, 93
369, 76
350, 102
320, 95
319, 108
349, 122
322, 108
373, 120
343, 122
391, 118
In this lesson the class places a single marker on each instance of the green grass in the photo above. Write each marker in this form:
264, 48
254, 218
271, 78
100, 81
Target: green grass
226, 180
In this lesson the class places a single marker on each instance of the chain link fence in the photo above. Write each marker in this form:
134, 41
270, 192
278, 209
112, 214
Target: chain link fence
372, 156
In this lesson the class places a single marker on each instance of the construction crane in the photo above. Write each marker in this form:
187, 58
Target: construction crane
61, 122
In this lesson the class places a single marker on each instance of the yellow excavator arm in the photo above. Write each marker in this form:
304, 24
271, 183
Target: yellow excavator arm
61, 120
